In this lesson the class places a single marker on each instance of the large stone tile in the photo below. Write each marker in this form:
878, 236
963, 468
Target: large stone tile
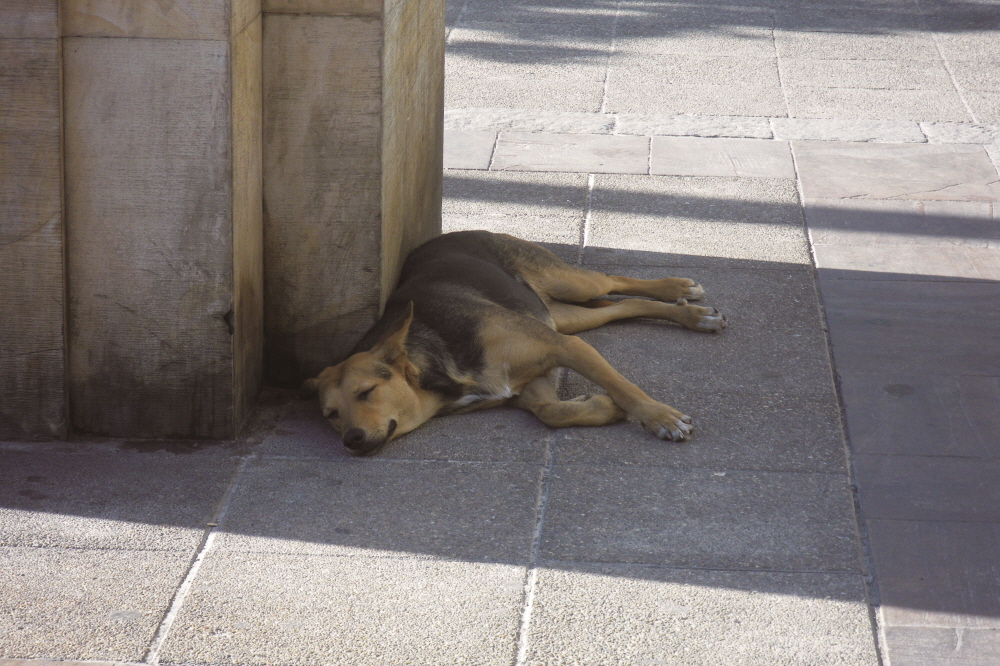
905, 262
679, 221
464, 511
942, 646
829, 17
631, 615
639, 86
335, 610
29, 19
753, 429
85, 604
680, 69
909, 327
984, 106
582, 153
700, 518
778, 348
516, 78
143, 500
934, 488
977, 75
695, 156
594, 34
894, 223
651, 36
895, 171
875, 104
874, 74
904, 239
855, 46
922, 414
546, 208
937, 574
468, 150
978, 45
493, 435
559, 12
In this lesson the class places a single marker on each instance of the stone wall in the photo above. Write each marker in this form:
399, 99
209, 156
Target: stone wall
157, 157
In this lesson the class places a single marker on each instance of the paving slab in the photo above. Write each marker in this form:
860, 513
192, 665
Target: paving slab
581, 153
508, 77
933, 488
375, 508
888, 171
653, 124
935, 646
85, 604
922, 414
856, 46
902, 239
873, 104
594, 34
645, 34
131, 501
515, 120
885, 326
749, 355
700, 518
495, 435
764, 430
641, 88
824, 129
937, 574
874, 74
468, 149
747, 158
677, 221
546, 208
978, 45
615, 614
984, 105
263, 608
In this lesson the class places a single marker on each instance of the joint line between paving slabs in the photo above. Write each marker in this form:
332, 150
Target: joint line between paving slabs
871, 585
951, 74
531, 578
153, 653
611, 52
585, 231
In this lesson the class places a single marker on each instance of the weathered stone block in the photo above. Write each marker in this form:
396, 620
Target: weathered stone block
32, 401
163, 182
353, 117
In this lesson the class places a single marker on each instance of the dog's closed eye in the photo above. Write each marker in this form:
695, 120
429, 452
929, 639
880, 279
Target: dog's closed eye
364, 394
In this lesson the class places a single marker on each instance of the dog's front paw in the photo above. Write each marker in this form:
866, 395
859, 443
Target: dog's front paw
667, 423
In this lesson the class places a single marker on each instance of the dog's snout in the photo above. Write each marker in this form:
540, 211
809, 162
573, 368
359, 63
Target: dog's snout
354, 438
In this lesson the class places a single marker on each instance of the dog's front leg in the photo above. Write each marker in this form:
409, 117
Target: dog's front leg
662, 420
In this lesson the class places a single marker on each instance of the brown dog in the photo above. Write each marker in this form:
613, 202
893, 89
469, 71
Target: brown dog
479, 320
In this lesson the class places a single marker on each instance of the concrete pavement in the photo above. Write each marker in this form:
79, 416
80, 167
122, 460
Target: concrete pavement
828, 171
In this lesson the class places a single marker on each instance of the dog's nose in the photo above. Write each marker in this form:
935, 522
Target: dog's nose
354, 438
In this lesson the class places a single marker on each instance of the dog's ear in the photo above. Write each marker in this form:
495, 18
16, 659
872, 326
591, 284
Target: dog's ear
391, 347
309, 388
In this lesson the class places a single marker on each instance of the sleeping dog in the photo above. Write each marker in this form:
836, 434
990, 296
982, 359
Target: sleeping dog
482, 319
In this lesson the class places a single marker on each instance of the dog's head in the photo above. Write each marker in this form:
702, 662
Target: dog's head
373, 396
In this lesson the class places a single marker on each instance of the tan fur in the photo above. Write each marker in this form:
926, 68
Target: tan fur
519, 354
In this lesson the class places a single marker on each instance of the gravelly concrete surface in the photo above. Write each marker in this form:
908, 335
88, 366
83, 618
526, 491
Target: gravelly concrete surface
822, 169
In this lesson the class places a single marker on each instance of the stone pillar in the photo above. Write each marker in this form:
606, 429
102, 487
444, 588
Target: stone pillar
32, 396
163, 217
353, 115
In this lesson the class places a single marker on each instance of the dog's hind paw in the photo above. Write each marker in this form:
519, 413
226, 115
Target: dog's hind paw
711, 322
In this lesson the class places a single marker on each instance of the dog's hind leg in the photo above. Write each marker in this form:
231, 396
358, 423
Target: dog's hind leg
572, 284
539, 397
571, 319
